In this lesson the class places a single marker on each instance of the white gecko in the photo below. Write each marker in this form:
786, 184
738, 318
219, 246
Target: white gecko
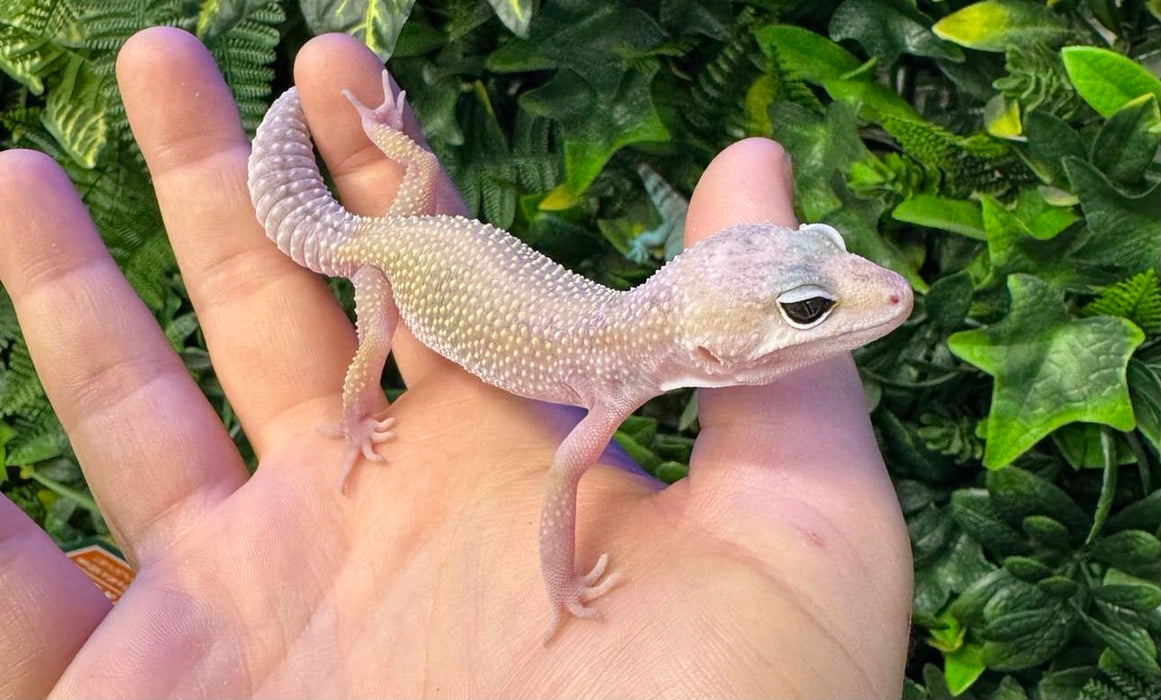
746, 306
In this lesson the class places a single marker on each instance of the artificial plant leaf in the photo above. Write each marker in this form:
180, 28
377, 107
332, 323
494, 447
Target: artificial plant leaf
597, 125
994, 25
948, 301
960, 216
75, 112
1048, 370
810, 56
597, 43
887, 29
955, 569
974, 511
1080, 443
963, 667
1002, 118
1050, 139
1107, 80
1124, 227
1129, 550
1127, 142
711, 18
26, 56
515, 14
1137, 298
1024, 627
1145, 391
1138, 651
376, 23
243, 43
1018, 494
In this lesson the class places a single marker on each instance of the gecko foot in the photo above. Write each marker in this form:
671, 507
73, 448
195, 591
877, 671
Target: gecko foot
584, 589
361, 440
389, 113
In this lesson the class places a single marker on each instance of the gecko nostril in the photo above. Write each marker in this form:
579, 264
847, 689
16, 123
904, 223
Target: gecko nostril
894, 298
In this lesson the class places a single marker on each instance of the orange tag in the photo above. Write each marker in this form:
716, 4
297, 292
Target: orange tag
110, 572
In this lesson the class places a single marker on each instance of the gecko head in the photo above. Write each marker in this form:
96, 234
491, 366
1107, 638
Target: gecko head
755, 301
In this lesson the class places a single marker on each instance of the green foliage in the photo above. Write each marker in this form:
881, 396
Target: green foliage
999, 154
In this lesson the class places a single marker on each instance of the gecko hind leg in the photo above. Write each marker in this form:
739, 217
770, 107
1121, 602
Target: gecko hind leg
377, 317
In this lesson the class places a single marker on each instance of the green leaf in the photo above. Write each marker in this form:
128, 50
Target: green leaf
1080, 443
1137, 298
75, 112
1045, 532
1058, 586
963, 667
1026, 568
810, 56
515, 14
1129, 550
1050, 139
1127, 142
1105, 79
1145, 391
948, 301
1017, 494
1139, 597
957, 568
27, 57
1144, 514
1025, 627
1002, 118
1009, 689
956, 215
600, 44
1137, 652
1124, 226
376, 23
888, 28
1049, 370
596, 125
994, 25
975, 513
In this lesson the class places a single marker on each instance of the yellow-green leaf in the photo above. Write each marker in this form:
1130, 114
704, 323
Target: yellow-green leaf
1105, 79
994, 25
75, 113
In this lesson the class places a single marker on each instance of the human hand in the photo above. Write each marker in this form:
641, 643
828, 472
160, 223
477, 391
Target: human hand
780, 567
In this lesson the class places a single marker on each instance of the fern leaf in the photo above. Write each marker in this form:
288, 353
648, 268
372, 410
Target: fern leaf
75, 113
1137, 298
21, 387
38, 436
243, 44
27, 57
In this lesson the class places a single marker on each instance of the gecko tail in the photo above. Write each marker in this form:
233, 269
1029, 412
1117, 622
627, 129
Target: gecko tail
290, 198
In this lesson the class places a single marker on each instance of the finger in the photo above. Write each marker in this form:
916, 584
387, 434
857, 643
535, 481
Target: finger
48, 607
277, 337
365, 178
144, 434
751, 182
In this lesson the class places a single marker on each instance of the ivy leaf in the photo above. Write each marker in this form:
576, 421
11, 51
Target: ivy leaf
1125, 145
376, 23
1048, 370
994, 25
596, 44
887, 29
597, 125
1105, 79
1124, 226
515, 14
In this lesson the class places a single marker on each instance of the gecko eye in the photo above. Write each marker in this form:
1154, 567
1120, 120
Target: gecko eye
805, 307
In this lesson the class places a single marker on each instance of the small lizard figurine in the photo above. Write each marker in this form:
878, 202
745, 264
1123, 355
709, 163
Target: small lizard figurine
750, 304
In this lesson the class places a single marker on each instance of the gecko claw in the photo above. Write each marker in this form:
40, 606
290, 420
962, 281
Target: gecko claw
585, 589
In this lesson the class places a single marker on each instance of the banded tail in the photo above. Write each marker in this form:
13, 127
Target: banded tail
290, 198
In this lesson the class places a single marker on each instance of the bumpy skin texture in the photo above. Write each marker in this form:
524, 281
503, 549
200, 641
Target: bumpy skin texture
720, 314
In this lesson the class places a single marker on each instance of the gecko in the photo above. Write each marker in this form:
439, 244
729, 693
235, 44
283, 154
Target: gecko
747, 305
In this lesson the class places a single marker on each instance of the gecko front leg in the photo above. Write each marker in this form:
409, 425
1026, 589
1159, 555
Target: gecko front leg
376, 318
567, 590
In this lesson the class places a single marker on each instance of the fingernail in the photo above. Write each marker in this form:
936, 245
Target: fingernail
788, 168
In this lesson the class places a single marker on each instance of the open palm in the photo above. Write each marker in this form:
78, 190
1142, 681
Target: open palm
780, 567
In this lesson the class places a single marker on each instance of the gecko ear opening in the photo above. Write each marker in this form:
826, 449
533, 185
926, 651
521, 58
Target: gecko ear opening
706, 354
